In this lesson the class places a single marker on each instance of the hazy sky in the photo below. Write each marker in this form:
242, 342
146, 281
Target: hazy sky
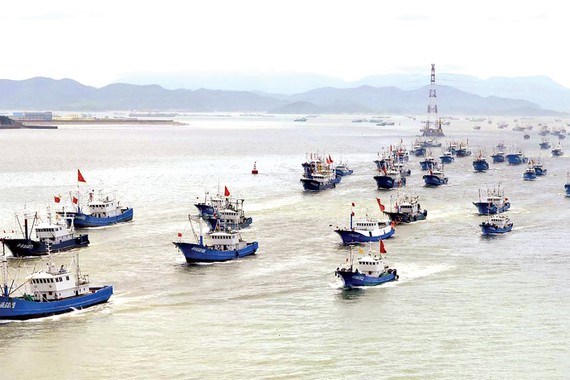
96, 42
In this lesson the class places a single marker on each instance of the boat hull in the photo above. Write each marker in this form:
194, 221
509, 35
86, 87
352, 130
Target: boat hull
529, 176
557, 153
28, 247
446, 159
205, 209
354, 237
434, 181
399, 217
480, 166
82, 220
195, 253
544, 146
19, 308
489, 229
357, 279
486, 208
313, 185
497, 158
516, 159
387, 182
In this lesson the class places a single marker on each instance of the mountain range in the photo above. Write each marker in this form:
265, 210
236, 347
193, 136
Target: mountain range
66, 94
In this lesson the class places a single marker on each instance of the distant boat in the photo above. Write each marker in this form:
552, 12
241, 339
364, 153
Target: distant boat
153, 114
216, 246
49, 292
406, 209
502, 125
516, 158
497, 224
446, 157
526, 136
435, 177
477, 127
557, 151
318, 174
529, 174
538, 167
343, 170
429, 162
254, 170
364, 230
544, 144
492, 201
301, 119
54, 236
463, 150
389, 179
498, 156
371, 270
480, 163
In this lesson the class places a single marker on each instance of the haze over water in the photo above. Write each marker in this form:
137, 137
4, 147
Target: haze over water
465, 306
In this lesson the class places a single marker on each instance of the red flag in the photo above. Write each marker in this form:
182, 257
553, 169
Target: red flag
56, 198
179, 234
330, 159
382, 249
352, 213
80, 176
382, 207
353, 204
226, 191
74, 200
393, 224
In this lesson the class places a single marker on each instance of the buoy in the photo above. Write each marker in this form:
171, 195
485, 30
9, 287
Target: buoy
254, 171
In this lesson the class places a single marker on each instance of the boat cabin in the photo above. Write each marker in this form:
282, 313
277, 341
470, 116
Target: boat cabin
54, 233
55, 284
105, 208
225, 241
372, 265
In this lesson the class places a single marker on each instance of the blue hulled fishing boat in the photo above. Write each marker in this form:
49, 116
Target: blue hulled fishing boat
497, 224
480, 163
365, 230
215, 246
49, 292
418, 150
435, 177
529, 174
492, 201
318, 174
447, 157
498, 156
389, 179
59, 236
557, 151
371, 270
463, 150
343, 170
545, 144
429, 162
538, 167
406, 209
516, 158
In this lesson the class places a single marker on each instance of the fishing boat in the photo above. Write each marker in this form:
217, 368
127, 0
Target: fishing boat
477, 127
389, 179
480, 163
430, 143
447, 157
502, 125
544, 144
405, 209
215, 246
557, 151
318, 174
231, 215
529, 174
343, 170
516, 158
384, 161
463, 150
49, 292
418, 149
364, 230
538, 167
58, 235
435, 177
429, 162
496, 224
526, 136
518, 128
301, 119
104, 210
498, 156
371, 270
210, 204
492, 201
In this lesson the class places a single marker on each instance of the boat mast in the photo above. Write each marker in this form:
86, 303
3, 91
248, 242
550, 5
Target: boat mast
4, 272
